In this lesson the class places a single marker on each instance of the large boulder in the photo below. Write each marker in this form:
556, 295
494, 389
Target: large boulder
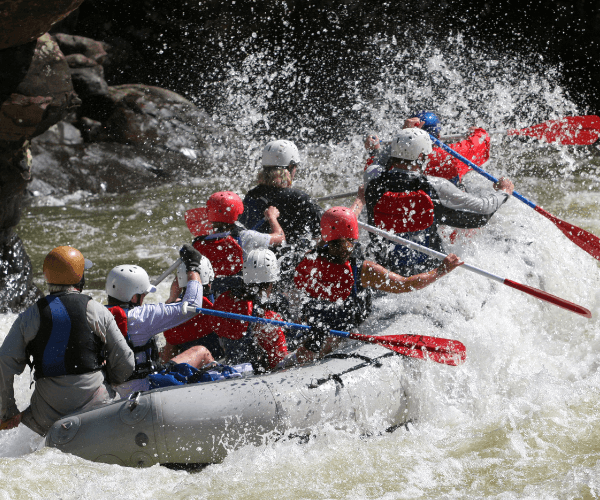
104, 167
23, 21
42, 97
35, 93
145, 115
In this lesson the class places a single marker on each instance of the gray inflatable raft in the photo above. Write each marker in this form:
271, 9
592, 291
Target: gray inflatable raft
358, 386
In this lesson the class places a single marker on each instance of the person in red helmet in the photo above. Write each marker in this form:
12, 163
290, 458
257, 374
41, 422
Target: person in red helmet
337, 282
227, 247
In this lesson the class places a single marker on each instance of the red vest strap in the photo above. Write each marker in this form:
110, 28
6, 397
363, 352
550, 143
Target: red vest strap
322, 279
195, 328
120, 318
225, 254
404, 212
231, 328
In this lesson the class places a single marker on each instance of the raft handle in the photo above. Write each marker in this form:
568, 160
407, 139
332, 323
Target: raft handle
134, 397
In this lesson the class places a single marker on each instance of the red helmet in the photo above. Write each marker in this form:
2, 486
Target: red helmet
224, 206
339, 222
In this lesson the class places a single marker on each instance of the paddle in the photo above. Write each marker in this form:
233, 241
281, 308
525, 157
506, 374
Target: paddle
568, 131
557, 301
168, 271
444, 351
197, 222
582, 238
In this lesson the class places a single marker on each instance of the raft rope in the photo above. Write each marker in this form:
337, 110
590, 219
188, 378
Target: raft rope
337, 377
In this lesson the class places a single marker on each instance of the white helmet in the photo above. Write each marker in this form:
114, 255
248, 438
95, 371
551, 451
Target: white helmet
280, 154
410, 143
123, 282
206, 273
260, 266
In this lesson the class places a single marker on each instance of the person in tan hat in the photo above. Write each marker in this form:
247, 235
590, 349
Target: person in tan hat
72, 343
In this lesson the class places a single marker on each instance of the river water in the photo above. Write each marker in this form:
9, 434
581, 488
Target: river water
518, 420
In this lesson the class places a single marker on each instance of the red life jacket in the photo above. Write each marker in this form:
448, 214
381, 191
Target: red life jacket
231, 328
150, 348
475, 148
195, 328
120, 316
225, 254
322, 279
271, 339
404, 212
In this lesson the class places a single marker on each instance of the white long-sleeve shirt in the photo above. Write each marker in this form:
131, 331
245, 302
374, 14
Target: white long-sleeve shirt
148, 320
456, 199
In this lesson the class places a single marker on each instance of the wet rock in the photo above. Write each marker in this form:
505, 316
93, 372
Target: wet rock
61, 133
105, 167
81, 46
23, 21
43, 96
89, 82
151, 116
35, 93
17, 290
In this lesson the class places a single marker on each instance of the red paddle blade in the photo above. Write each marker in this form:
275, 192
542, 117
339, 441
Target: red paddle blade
553, 299
571, 130
444, 351
197, 221
582, 238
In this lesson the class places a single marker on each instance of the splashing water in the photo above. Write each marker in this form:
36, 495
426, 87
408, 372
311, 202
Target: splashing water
517, 420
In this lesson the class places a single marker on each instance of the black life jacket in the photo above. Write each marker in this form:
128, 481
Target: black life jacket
150, 362
238, 337
64, 343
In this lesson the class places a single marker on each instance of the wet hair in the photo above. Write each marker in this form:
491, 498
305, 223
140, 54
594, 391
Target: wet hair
77, 287
61, 288
276, 176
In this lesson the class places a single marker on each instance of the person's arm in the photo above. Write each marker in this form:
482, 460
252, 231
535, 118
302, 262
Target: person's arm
174, 292
277, 237
413, 123
359, 202
453, 198
146, 321
13, 359
376, 276
120, 360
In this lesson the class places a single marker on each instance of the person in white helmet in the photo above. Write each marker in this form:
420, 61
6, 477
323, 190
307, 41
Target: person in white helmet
475, 147
299, 214
197, 330
126, 287
413, 205
262, 345
75, 346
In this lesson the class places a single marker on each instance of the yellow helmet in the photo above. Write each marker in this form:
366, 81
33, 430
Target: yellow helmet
65, 266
